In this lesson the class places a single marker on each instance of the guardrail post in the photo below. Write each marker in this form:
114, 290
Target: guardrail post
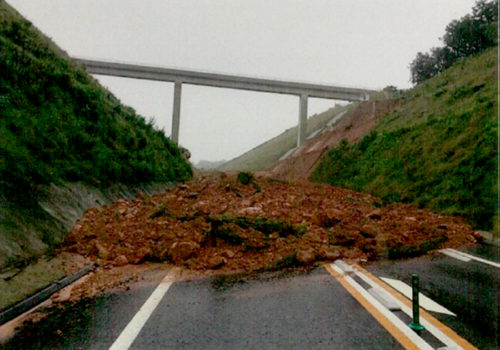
176, 113
415, 324
302, 129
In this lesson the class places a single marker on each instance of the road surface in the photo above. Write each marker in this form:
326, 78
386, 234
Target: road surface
293, 310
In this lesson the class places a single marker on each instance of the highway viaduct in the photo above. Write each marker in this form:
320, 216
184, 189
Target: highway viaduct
179, 77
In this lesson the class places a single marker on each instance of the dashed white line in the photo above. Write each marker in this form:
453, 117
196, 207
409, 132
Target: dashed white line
473, 257
454, 255
128, 335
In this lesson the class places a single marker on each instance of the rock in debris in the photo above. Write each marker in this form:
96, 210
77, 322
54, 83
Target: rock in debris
306, 256
181, 251
368, 231
140, 255
216, 262
228, 254
326, 218
102, 252
330, 254
375, 215
121, 260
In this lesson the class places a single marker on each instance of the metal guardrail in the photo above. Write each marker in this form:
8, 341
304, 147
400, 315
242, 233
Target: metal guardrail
35, 299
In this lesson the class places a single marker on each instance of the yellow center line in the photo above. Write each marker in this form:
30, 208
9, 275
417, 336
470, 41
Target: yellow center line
384, 321
427, 316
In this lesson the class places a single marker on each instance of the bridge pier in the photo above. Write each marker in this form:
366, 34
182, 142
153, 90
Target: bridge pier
302, 129
179, 77
176, 112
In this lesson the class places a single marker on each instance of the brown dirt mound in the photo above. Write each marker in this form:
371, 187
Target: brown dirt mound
217, 223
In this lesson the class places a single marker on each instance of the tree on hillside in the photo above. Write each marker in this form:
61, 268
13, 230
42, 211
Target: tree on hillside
467, 36
442, 57
485, 12
422, 68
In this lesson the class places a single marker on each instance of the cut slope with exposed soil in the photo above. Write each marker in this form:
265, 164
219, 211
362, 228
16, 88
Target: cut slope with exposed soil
356, 124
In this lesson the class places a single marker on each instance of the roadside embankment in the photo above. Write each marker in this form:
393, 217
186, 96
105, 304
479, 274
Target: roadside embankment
28, 232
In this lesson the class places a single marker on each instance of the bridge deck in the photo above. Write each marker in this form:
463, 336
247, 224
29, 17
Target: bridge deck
224, 81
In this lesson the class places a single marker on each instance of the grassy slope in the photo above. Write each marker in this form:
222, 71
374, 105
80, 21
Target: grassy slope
58, 124
268, 153
437, 149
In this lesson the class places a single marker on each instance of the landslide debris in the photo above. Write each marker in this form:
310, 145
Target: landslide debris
217, 222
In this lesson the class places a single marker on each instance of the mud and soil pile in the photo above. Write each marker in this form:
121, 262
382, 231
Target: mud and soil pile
244, 224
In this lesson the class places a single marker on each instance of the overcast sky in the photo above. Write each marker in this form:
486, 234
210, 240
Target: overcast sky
357, 43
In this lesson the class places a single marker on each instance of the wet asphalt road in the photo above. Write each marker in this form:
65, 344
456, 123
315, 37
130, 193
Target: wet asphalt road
299, 310
469, 289
306, 311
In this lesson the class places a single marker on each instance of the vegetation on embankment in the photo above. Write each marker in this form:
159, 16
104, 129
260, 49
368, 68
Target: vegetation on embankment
58, 125
437, 149
470, 35
268, 153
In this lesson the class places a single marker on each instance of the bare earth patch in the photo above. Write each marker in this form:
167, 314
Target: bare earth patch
352, 127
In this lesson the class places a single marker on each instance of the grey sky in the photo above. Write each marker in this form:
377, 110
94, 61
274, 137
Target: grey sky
358, 43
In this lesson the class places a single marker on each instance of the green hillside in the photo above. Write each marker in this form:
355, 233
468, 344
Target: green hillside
268, 153
437, 149
57, 123
58, 126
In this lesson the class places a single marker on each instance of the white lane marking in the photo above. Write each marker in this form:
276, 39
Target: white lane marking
128, 335
473, 257
425, 302
451, 254
346, 268
419, 342
407, 310
385, 298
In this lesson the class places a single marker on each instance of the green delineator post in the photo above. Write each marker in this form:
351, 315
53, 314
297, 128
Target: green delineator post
415, 323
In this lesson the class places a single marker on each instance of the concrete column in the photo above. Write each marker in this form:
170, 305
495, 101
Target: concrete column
302, 120
176, 113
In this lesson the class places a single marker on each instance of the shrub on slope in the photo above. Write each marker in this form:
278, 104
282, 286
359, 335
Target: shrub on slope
58, 124
437, 149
